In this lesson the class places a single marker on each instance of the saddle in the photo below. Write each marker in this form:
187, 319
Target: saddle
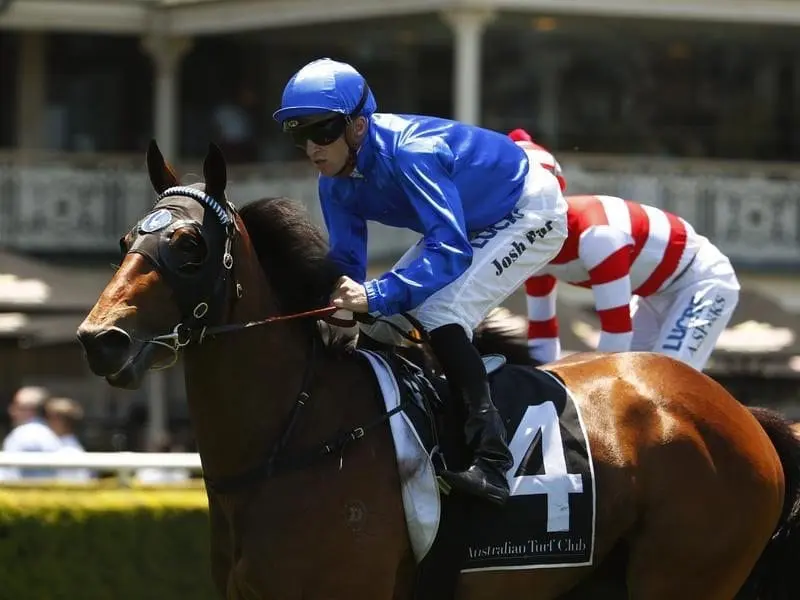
424, 397
549, 519
423, 387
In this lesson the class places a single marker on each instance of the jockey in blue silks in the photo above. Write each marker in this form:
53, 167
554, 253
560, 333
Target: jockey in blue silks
489, 219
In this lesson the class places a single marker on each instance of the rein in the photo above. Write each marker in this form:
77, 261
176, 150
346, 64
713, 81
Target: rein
183, 335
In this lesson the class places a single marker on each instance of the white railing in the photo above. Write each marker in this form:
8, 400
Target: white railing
125, 465
108, 461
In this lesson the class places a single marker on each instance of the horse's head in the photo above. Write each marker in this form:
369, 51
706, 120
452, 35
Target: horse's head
175, 277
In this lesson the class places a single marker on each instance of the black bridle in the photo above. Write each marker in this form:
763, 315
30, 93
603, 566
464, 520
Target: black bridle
204, 319
196, 317
175, 208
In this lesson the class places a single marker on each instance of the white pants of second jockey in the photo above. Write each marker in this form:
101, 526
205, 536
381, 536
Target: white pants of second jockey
504, 256
686, 319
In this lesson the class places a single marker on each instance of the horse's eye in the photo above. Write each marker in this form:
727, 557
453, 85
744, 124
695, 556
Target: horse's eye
190, 250
187, 243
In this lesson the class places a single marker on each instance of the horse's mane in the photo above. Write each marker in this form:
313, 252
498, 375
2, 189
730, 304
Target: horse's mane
292, 252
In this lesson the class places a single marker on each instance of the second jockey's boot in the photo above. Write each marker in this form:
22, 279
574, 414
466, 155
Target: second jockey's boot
484, 428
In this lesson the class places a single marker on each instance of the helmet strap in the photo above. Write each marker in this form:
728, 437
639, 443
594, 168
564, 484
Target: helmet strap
350, 164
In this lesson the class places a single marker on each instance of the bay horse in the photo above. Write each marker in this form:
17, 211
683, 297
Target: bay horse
697, 497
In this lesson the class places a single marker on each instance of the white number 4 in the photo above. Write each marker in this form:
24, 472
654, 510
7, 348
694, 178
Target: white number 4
556, 483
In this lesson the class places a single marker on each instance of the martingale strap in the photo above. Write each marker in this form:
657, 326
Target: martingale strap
277, 462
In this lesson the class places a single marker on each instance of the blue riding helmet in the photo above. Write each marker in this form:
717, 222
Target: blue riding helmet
326, 86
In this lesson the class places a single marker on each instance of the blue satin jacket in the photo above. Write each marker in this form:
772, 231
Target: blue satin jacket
441, 178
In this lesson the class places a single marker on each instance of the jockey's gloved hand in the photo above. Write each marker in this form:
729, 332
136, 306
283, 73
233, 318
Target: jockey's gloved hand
350, 295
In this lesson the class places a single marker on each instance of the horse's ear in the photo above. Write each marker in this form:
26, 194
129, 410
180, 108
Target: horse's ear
215, 172
162, 175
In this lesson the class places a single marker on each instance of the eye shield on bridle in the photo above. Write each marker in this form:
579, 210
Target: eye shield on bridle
200, 292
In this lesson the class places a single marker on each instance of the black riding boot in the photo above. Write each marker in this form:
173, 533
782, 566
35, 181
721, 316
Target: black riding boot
484, 428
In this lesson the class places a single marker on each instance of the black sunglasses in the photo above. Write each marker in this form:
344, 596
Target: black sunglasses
322, 133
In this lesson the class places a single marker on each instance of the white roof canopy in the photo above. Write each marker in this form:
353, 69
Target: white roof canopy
197, 17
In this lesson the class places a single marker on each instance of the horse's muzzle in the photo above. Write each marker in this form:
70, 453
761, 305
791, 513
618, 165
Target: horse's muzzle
107, 348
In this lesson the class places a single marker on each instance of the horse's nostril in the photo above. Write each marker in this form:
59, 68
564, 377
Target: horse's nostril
114, 340
106, 347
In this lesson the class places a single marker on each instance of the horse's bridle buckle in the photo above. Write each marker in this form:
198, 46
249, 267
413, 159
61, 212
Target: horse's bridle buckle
181, 342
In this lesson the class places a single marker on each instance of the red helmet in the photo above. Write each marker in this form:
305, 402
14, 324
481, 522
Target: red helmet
520, 135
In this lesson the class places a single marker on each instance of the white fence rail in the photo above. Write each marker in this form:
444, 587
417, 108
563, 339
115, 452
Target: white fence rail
108, 461
124, 464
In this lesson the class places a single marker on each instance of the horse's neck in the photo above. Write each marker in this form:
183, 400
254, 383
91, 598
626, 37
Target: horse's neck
236, 385
241, 394
242, 386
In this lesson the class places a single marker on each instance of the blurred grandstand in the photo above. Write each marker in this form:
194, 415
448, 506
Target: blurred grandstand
690, 105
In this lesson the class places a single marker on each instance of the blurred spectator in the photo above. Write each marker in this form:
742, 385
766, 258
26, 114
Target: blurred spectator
29, 432
63, 416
